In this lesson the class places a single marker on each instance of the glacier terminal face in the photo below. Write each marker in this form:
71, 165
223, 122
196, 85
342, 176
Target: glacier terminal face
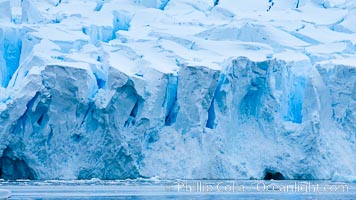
185, 89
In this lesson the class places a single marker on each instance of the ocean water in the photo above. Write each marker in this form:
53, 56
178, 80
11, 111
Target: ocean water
179, 189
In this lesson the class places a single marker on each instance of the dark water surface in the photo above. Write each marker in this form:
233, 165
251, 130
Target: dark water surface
180, 189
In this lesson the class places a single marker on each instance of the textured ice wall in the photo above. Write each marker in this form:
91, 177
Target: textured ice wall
238, 122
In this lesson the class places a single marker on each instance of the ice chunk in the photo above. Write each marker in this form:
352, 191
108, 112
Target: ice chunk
5, 194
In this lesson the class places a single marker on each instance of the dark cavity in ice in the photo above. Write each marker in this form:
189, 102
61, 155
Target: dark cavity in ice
13, 168
273, 175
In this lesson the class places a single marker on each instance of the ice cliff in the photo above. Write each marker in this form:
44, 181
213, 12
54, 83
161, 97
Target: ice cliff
116, 89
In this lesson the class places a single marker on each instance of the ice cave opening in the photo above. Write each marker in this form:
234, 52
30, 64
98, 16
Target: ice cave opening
273, 175
13, 168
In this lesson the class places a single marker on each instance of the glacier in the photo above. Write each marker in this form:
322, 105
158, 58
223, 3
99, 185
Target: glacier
188, 89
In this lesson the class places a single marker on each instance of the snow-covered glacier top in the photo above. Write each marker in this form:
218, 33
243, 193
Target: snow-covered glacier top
211, 89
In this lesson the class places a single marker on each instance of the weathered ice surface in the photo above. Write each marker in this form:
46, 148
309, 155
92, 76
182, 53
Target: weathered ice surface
178, 89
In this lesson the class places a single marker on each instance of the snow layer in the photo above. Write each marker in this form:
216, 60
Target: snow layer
177, 89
